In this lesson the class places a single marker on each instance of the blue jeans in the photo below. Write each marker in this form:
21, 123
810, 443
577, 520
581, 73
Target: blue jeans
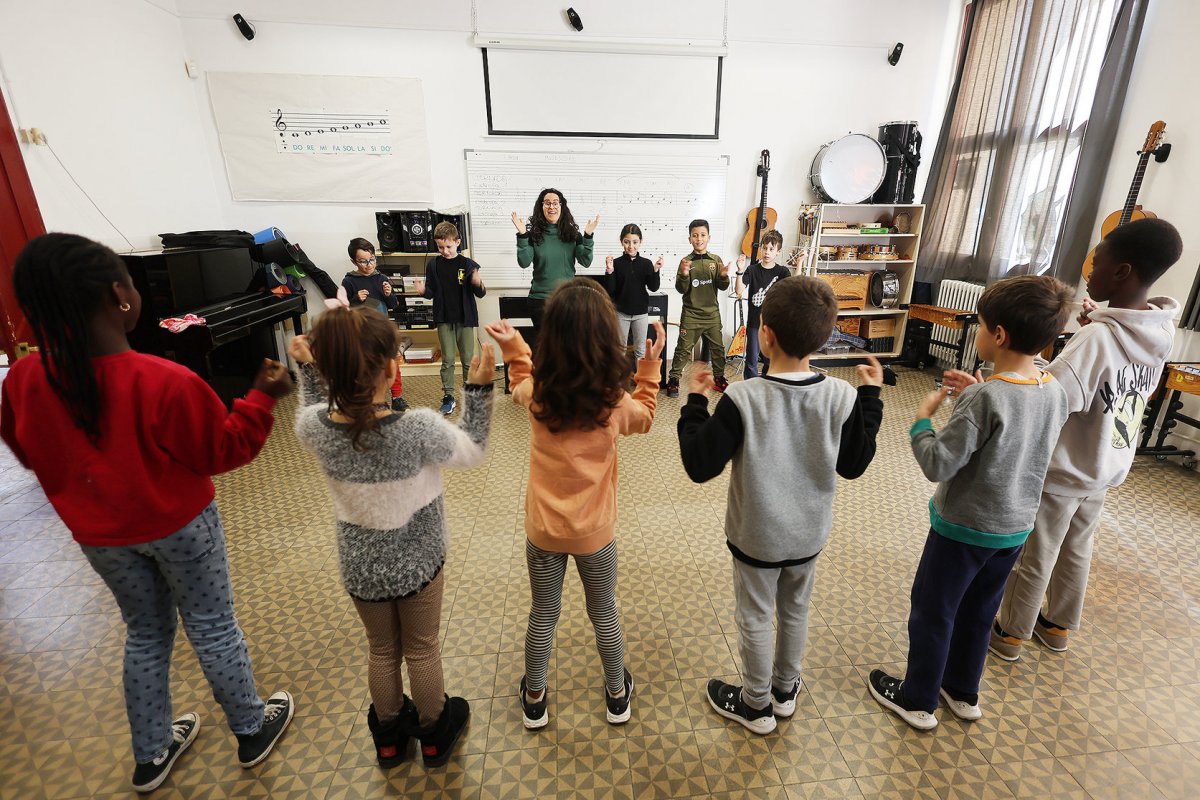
753, 354
187, 571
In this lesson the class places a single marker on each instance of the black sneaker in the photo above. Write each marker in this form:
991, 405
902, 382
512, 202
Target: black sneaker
534, 715
783, 704
149, 776
887, 692
254, 747
618, 707
438, 740
673, 387
726, 700
399, 404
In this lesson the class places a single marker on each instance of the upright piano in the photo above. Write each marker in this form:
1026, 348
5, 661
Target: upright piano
226, 287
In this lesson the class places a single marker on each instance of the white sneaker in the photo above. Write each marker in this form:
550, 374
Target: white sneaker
961, 708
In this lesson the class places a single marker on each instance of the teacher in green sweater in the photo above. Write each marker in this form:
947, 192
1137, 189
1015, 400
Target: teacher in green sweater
552, 243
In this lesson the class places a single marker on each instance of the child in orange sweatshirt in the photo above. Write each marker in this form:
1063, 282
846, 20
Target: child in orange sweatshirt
578, 406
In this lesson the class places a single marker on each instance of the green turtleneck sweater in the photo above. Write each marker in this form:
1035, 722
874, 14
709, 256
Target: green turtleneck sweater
553, 260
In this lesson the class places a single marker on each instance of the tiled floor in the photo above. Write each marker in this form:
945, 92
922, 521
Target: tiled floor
1117, 716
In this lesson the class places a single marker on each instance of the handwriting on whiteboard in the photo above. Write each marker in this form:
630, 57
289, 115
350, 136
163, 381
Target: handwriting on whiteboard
331, 132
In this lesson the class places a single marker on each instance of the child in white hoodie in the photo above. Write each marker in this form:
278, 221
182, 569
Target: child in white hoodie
1109, 369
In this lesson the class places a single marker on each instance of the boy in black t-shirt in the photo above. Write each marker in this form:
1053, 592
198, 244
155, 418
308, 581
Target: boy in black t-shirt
453, 282
759, 277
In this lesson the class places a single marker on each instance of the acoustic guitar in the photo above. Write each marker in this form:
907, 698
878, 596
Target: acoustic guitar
762, 218
1153, 146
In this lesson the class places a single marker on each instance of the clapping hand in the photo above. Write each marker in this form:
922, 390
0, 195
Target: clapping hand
483, 365
362, 295
957, 380
658, 264
701, 381
502, 332
518, 222
299, 350
590, 228
272, 379
608, 265
654, 349
741, 262
685, 266
387, 288
1089, 305
932, 402
871, 373
724, 271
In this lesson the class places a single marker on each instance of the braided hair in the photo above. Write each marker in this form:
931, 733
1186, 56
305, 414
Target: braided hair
61, 281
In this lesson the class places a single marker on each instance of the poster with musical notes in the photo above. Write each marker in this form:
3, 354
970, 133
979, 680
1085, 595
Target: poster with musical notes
323, 138
332, 132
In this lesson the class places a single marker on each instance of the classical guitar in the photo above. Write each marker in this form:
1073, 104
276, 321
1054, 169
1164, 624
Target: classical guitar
1153, 146
762, 218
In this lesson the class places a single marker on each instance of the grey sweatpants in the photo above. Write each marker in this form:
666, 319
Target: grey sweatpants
761, 595
1054, 564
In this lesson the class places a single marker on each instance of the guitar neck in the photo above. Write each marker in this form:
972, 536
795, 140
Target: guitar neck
762, 220
1134, 188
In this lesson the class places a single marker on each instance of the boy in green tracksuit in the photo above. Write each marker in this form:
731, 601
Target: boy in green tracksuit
701, 275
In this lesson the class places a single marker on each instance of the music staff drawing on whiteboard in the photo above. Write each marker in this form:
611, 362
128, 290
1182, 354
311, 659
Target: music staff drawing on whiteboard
331, 133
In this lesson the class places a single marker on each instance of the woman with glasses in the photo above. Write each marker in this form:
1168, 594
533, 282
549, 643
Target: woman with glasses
552, 243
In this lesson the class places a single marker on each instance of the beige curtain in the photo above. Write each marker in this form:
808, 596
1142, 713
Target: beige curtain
1010, 148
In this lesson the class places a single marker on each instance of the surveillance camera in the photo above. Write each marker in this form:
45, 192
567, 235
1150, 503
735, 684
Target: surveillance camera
573, 18
894, 56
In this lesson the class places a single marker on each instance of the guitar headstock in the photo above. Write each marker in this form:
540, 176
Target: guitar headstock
764, 162
1153, 138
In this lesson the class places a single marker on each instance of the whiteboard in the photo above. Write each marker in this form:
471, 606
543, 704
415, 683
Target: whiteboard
660, 193
683, 100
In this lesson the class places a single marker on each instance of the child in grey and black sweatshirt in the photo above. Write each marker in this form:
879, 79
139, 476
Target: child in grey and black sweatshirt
385, 476
990, 461
795, 422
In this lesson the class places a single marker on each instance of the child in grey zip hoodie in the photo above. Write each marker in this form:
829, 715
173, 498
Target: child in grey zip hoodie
1109, 369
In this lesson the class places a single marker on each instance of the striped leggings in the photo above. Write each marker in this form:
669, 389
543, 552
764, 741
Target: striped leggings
598, 571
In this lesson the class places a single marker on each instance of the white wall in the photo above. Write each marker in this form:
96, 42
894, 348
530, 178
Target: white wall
140, 136
1167, 52
105, 83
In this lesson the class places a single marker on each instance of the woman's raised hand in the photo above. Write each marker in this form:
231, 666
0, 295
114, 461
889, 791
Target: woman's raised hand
590, 228
518, 222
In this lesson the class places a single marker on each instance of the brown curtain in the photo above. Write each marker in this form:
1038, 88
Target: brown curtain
1003, 172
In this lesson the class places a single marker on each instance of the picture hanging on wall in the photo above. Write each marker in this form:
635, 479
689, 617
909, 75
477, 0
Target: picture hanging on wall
322, 138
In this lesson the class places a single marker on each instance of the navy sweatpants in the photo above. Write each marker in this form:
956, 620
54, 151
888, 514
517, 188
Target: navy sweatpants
955, 596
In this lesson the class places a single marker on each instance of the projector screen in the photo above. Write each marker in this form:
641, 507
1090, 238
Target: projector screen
632, 95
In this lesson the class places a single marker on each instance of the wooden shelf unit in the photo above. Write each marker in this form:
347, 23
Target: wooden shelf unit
908, 246
397, 265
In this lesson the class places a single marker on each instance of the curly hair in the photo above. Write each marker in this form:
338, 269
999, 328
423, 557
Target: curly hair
568, 231
352, 348
580, 367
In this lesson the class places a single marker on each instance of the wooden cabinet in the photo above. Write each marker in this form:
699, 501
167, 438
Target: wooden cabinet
850, 259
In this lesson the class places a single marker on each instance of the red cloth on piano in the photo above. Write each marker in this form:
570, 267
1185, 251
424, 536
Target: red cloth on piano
163, 432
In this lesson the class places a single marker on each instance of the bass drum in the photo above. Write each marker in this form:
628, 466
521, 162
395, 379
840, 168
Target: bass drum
849, 169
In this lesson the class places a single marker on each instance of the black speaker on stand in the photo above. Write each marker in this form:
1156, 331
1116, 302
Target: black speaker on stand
387, 228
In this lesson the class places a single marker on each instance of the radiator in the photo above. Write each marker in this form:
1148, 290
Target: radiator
963, 296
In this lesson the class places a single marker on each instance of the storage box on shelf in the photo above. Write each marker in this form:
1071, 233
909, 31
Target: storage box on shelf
416, 326
847, 251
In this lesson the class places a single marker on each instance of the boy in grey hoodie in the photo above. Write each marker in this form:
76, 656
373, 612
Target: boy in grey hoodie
1109, 368
990, 460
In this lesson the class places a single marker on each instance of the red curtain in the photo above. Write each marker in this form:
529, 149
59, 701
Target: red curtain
20, 221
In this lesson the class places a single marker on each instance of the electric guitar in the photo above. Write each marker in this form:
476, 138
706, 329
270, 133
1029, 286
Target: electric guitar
1153, 146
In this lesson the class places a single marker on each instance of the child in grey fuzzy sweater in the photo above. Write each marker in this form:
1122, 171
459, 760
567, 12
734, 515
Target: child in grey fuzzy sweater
385, 476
